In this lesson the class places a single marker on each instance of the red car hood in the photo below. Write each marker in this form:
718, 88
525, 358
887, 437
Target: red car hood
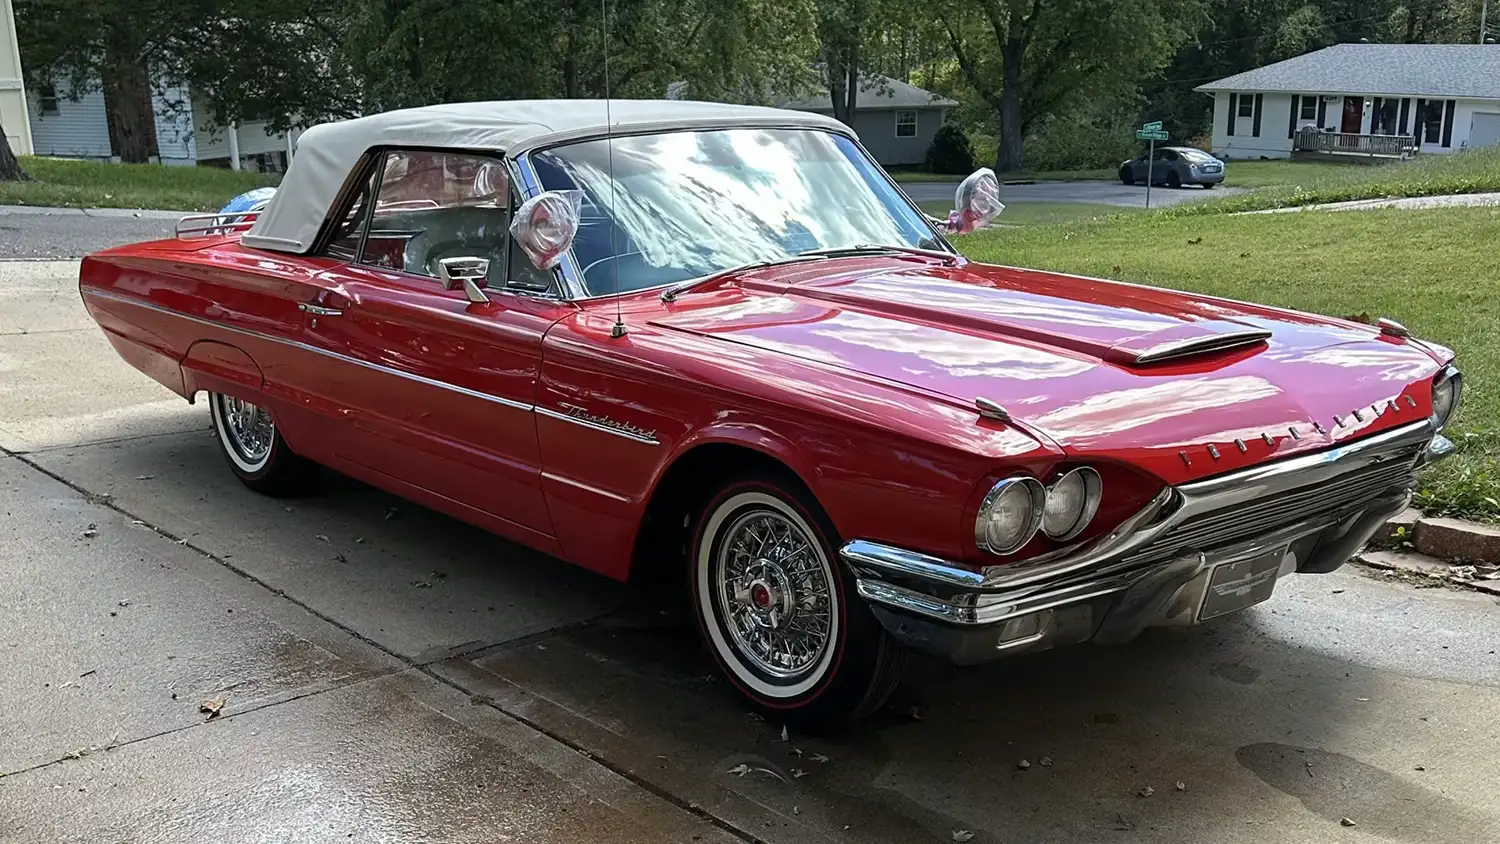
1058, 353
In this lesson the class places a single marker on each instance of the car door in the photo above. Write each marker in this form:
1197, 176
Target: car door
437, 391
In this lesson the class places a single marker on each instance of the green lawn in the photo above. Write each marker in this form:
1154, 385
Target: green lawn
87, 184
1436, 271
1038, 213
1029, 175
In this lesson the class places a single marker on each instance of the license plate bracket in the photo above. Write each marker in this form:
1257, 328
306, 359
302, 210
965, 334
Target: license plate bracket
1237, 585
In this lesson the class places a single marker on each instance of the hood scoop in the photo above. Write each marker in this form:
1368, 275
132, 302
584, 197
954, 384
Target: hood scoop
1188, 340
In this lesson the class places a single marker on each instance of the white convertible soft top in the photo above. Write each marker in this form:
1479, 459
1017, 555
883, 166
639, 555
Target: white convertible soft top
327, 153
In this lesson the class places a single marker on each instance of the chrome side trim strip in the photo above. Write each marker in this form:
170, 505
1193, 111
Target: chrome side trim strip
646, 438
386, 370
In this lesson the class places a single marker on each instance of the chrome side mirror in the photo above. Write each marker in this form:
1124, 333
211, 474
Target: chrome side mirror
471, 274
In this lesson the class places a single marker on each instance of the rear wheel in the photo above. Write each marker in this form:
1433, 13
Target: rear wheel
255, 450
779, 613
1126, 177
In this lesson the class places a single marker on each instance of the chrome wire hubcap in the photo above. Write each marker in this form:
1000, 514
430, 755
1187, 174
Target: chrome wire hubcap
250, 429
774, 594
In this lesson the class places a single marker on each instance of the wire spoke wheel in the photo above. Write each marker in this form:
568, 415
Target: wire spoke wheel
246, 431
774, 594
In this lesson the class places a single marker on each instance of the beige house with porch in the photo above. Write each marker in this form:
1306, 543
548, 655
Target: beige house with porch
13, 114
1390, 100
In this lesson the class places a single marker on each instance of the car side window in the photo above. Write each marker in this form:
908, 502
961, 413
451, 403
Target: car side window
430, 205
343, 243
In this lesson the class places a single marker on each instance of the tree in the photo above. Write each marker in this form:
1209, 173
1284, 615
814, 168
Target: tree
1031, 58
10, 167
254, 59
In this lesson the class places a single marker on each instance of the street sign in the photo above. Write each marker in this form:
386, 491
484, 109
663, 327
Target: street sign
1153, 125
1151, 134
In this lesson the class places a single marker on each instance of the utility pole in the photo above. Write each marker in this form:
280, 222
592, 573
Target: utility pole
1484, 19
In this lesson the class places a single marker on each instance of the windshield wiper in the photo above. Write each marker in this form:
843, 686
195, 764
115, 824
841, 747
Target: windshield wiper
878, 249
681, 287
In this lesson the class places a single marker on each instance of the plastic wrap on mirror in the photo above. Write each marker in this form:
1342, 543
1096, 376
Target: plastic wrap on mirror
545, 225
976, 202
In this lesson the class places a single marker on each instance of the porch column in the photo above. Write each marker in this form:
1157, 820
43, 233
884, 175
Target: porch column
234, 146
13, 114
290, 145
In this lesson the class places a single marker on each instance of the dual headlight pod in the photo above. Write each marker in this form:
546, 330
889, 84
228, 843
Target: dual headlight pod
1447, 389
1016, 508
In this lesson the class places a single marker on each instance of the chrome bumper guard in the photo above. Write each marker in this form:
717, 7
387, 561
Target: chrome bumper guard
1152, 569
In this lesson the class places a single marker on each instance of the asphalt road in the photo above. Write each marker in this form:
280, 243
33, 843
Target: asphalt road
388, 674
32, 233
1102, 193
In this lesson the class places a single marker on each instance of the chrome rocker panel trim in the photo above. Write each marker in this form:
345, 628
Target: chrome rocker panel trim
927, 590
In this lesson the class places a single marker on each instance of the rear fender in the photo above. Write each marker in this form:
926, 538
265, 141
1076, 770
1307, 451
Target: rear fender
213, 366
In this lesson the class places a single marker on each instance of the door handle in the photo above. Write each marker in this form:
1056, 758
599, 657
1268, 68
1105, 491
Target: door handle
318, 310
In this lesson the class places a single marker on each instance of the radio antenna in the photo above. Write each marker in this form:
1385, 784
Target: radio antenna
618, 329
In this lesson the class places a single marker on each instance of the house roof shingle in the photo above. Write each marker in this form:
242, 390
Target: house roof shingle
876, 92
1421, 70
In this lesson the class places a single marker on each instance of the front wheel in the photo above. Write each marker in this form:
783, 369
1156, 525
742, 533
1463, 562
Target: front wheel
779, 613
1174, 180
255, 450
1126, 177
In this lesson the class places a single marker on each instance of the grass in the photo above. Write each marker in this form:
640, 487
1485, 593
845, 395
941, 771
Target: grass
1294, 183
88, 184
1028, 175
1038, 213
1437, 271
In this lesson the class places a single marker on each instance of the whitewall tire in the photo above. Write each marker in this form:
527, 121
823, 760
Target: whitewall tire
255, 450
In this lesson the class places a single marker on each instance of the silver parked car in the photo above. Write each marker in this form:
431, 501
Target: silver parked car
1174, 167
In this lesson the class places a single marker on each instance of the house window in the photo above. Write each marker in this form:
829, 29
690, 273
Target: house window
46, 100
1309, 108
1247, 105
906, 124
1385, 117
1432, 122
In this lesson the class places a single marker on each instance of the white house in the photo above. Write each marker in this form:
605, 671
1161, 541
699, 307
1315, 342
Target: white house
186, 131
895, 121
1361, 99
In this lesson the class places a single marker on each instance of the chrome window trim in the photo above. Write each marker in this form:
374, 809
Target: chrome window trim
1209, 495
569, 271
385, 370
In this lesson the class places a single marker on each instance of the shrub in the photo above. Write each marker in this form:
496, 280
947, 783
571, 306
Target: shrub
950, 151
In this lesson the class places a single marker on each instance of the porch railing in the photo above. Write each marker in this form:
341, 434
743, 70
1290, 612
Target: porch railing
1344, 143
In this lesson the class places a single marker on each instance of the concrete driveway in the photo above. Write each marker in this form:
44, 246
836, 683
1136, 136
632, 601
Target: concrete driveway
388, 674
1103, 193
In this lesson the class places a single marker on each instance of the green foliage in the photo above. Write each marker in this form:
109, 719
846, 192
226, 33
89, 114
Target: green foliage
950, 152
1474, 171
1095, 135
88, 184
1433, 270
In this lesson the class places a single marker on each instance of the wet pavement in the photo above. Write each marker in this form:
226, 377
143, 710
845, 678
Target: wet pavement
388, 674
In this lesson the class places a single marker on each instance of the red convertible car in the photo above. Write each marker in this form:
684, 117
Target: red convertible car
718, 343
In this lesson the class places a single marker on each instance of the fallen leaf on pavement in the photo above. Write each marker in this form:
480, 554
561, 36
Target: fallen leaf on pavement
739, 770
144, 477
1046, 761
341, 557
819, 758
798, 773
1345, 822
78, 753
1181, 786
962, 835
784, 736
1023, 765
1121, 823
1147, 791
392, 513
322, 538
214, 706
88, 672
91, 531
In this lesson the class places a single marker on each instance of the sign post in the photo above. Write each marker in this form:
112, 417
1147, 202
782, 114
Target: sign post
1151, 132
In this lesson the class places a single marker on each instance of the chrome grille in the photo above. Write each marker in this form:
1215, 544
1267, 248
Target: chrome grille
1215, 529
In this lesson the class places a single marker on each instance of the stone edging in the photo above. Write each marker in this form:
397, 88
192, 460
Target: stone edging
1450, 550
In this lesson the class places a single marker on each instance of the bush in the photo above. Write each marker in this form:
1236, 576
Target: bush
950, 151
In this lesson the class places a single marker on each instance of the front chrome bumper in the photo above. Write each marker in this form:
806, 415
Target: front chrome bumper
1155, 567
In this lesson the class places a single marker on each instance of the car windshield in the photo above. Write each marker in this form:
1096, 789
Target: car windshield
684, 205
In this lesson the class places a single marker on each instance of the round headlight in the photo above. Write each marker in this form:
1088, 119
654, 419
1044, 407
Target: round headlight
1010, 515
1446, 390
1071, 504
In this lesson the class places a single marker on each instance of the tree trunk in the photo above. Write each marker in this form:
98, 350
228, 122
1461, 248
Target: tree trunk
843, 83
10, 168
127, 108
1010, 157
